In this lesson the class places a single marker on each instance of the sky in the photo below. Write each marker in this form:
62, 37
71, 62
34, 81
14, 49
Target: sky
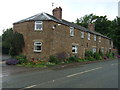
14, 10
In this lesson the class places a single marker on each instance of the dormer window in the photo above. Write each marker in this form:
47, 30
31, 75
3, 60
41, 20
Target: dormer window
88, 36
82, 34
38, 25
71, 31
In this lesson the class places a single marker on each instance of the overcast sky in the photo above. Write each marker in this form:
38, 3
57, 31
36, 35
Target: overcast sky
14, 10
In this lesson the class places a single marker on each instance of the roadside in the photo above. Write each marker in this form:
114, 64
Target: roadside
3, 58
13, 69
94, 75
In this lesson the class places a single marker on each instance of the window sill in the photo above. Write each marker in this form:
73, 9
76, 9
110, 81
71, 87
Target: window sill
38, 30
74, 52
37, 51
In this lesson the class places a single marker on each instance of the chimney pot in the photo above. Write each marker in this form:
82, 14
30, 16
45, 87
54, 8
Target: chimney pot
91, 27
57, 12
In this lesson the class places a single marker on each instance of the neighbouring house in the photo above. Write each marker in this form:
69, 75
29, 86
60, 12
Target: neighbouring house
47, 35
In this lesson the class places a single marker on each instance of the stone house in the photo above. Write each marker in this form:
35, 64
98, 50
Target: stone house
46, 35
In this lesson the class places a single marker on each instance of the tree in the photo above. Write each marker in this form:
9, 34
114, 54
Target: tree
84, 21
115, 34
103, 26
12, 42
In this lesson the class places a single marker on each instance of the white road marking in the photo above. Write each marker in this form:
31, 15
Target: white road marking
30, 86
83, 72
3, 75
2, 62
61, 78
114, 64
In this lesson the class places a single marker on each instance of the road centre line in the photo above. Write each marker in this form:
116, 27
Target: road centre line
31, 86
114, 64
83, 72
61, 78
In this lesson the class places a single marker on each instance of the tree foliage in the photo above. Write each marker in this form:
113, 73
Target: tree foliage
84, 21
110, 28
12, 42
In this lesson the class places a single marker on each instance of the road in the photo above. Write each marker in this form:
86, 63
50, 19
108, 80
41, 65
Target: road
94, 75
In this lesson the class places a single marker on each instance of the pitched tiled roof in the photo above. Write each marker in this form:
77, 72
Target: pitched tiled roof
45, 16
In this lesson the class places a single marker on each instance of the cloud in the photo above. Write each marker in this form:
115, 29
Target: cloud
15, 10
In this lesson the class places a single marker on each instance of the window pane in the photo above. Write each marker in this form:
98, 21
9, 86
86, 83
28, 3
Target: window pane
38, 26
38, 48
82, 34
71, 31
74, 49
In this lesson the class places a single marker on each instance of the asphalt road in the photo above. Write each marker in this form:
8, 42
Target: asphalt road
94, 75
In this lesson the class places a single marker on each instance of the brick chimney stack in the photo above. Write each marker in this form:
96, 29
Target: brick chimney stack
91, 27
57, 12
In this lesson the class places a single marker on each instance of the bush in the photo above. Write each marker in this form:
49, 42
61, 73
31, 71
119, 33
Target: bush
110, 55
97, 56
62, 56
89, 55
13, 42
72, 59
12, 62
90, 58
53, 59
80, 60
21, 59
118, 56
105, 57
101, 54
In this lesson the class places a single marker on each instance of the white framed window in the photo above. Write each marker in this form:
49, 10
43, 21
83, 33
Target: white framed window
37, 47
94, 50
71, 31
88, 36
99, 38
38, 25
95, 38
74, 49
82, 34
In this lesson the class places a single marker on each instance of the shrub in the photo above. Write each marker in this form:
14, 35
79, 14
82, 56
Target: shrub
101, 54
53, 59
80, 60
90, 58
21, 58
62, 56
13, 42
118, 56
110, 55
105, 57
89, 55
97, 56
73, 59
12, 61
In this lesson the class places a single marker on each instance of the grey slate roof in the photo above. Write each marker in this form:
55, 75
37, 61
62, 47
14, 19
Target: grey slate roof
44, 16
